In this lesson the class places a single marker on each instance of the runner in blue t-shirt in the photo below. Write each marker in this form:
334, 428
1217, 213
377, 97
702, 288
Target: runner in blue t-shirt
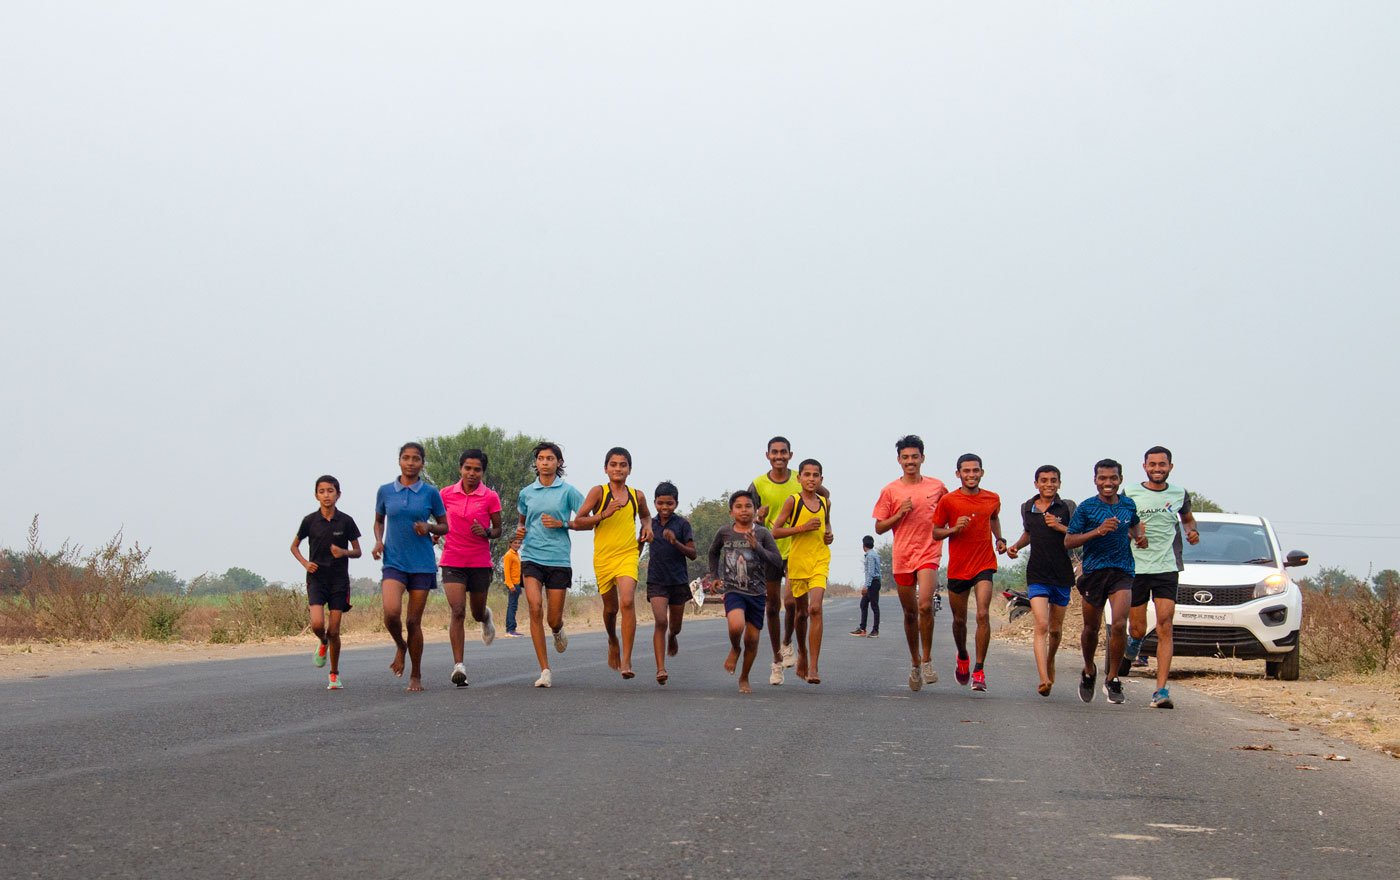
547, 507
407, 514
1103, 526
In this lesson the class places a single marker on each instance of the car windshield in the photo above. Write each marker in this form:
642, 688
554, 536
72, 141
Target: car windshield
1225, 543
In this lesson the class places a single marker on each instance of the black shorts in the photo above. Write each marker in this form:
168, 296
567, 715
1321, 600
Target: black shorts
957, 585
1155, 586
336, 594
775, 574
674, 594
1097, 586
553, 577
476, 580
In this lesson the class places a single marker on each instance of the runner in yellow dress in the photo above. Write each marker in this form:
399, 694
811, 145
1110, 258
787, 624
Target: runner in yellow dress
613, 511
806, 519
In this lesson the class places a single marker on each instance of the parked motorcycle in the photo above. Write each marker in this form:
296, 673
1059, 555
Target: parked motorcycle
1017, 603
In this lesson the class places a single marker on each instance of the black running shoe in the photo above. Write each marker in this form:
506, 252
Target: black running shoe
1113, 689
1086, 686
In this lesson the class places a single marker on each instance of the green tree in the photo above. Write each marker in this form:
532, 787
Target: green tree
243, 580
166, 582
1202, 504
1329, 577
509, 469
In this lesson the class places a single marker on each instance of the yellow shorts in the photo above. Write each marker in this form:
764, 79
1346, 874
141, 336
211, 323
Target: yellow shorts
607, 577
802, 586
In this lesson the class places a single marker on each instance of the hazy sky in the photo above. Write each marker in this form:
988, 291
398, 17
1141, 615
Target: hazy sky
245, 244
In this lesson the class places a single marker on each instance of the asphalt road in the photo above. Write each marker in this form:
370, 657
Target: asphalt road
252, 769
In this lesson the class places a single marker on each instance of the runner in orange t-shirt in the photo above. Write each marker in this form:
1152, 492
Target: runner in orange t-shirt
970, 518
906, 506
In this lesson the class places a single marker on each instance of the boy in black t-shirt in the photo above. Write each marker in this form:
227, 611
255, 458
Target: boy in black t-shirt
334, 540
1049, 572
668, 588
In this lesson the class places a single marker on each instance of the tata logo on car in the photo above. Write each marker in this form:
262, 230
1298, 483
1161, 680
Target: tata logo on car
1203, 597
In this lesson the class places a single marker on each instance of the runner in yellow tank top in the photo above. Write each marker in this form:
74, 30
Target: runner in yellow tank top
771, 490
613, 511
806, 519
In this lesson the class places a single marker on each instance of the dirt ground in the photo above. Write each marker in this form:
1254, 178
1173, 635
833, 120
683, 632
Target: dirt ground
1363, 709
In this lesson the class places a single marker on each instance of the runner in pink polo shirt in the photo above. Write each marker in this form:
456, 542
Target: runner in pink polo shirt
473, 520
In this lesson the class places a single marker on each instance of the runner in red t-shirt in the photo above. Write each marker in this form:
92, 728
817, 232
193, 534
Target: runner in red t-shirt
969, 518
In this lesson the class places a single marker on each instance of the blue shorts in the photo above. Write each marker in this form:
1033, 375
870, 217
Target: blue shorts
752, 606
416, 580
1057, 595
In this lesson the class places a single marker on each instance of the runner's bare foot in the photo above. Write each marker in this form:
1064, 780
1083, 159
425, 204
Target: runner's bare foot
628, 673
397, 666
1044, 689
673, 646
662, 676
415, 684
614, 654
1051, 678
744, 687
732, 661
814, 677
801, 666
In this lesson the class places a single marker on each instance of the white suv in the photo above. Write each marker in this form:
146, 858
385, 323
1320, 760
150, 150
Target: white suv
1235, 598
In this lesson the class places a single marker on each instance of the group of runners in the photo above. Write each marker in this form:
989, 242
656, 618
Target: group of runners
771, 562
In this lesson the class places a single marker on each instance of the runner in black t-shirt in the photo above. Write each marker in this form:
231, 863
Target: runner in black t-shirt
334, 540
1049, 572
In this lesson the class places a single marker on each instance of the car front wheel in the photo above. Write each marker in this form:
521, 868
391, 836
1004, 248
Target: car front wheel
1286, 669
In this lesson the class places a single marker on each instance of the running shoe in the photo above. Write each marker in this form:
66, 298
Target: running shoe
1129, 656
963, 670
1086, 686
1161, 699
561, 641
545, 680
459, 675
916, 680
873, 634
511, 634
928, 672
776, 676
1140, 661
789, 656
320, 658
334, 684
857, 632
1113, 689
488, 629
979, 681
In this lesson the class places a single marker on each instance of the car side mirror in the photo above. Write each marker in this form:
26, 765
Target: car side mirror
1295, 558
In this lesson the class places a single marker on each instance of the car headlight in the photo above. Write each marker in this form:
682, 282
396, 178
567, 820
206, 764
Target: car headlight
1271, 586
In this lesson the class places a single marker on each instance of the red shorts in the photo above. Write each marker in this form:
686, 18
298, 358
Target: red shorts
908, 579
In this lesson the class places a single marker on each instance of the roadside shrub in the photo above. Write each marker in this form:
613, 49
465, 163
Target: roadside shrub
163, 616
69, 594
1350, 627
260, 614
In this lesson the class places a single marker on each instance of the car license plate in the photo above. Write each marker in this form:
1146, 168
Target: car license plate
1202, 616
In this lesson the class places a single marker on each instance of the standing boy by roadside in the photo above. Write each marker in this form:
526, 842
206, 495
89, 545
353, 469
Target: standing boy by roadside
740, 557
806, 519
1102, 525
970, 517
906, 507
668, 581
1164, 509
870, 589
333, 540
1049, 572
510, 573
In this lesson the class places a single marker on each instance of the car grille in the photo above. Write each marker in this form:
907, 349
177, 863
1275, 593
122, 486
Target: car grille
1225, 637
1219, 595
